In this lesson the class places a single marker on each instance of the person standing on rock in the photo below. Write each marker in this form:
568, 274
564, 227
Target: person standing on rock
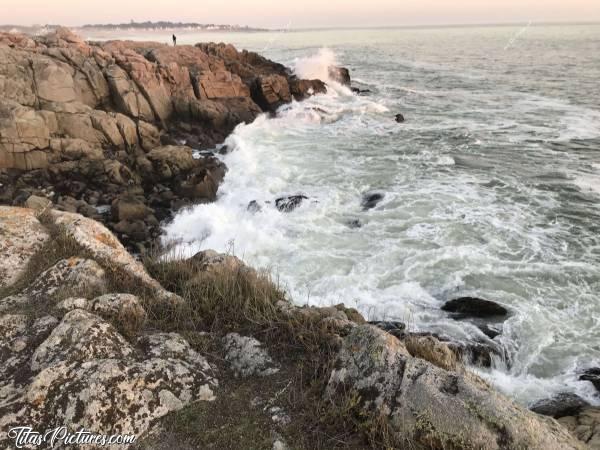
174, 40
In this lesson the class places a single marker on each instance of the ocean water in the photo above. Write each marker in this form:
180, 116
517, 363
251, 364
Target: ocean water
491, 186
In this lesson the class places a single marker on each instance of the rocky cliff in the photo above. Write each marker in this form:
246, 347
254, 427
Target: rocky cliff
89, 338
106, 129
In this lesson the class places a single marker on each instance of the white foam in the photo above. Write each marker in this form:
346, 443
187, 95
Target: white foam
442, 230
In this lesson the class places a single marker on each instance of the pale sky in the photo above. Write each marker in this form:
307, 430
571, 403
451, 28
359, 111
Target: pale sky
298, 14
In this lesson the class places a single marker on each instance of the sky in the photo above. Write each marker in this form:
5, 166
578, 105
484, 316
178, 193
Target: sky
298, 14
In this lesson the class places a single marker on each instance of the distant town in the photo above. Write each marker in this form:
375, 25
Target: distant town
165, 25
133, 26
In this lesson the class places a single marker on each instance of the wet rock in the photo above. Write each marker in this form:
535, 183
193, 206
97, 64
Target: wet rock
289, 203
271, 91
370, 200
422, 403
247, 357
360, 91
399, 118
474, 307
340, 75
254, 207
564, 404
593, 375
395, 328
479, 354
354, 223
490, 330
301, 89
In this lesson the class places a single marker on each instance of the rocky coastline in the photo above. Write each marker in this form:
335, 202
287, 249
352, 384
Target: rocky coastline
96, 151
107, 129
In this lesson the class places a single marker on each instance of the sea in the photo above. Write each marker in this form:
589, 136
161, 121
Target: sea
491, 186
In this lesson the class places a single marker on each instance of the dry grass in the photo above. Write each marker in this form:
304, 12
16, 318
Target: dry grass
242, 300
245, 301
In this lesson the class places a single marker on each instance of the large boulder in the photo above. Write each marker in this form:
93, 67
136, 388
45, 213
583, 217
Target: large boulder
84, 375
271, 91
430, 406
560, 405
21, 237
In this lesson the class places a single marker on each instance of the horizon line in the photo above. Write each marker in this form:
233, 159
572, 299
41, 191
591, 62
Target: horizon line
340, 27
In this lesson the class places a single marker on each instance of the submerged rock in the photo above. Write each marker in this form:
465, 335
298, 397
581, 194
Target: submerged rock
371, 200
354, 223
254, 207
593, 375
289, 203
360, 91
564, 404
474, 307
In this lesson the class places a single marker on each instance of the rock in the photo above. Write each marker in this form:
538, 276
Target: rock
429, 406
432, 350
104, 246
369, 201
360, 91
478, 353
254, 207
67, 275
37, 203
211, 261
340, 75
302, 89
125, 310
71, 303
289, 203
128, 208
395, 328
563, 404
474, 307
585, 426
247, 357
22, 236
593, 375
80, 337
354, 223
490, 330
270, 92
399, 118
